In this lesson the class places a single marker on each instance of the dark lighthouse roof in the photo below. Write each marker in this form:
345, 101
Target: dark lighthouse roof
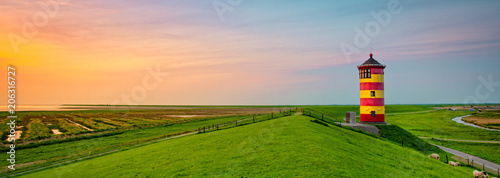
371, 63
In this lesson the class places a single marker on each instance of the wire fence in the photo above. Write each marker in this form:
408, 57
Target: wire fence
471, 162
245, 121
322, 116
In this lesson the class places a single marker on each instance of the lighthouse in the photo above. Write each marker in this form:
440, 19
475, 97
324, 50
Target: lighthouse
371, 84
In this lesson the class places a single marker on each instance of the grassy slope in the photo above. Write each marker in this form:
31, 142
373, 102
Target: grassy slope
488, 151
290, 146
438, 124
396, 134
74, 149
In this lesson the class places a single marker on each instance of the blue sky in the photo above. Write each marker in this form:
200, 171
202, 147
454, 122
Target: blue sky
260, 52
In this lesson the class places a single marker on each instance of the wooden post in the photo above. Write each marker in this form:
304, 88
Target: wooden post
446, 158
498, 172
483, 167
236, 123
468, 161
253, 119
217, 126
472, 163
272, 115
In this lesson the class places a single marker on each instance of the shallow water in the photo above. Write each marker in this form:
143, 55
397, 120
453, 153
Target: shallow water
460, 121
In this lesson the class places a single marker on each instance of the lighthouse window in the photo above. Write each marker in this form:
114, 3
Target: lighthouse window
373, 113
364, 73
372, 93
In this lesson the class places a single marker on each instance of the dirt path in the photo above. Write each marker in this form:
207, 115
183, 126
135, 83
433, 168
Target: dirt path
457, 140
478, 160
79, 125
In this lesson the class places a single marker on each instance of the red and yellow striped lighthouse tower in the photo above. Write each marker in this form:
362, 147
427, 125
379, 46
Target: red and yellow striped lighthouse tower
371, 82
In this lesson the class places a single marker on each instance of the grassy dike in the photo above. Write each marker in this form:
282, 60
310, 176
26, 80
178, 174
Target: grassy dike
58, 151
288, 146
401, 137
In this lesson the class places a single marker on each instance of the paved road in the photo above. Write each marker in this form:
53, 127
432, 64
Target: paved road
476, 159
455, 140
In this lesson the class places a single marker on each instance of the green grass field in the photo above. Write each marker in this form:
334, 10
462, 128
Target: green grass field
438, 124
400, 136
338, 111
289, 146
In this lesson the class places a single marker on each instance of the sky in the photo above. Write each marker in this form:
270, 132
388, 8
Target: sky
218, 52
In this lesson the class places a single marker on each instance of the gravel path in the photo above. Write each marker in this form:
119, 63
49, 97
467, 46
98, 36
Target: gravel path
368, 128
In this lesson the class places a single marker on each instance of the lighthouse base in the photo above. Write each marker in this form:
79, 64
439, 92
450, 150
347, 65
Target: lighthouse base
380, 123
369, 119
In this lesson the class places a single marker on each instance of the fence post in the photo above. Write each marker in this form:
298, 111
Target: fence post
472, 163
483, 167
253, 119
217, 126
446, 158
272, 115
498, 172
236, 123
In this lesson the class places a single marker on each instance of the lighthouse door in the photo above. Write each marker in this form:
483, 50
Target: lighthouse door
373, 113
